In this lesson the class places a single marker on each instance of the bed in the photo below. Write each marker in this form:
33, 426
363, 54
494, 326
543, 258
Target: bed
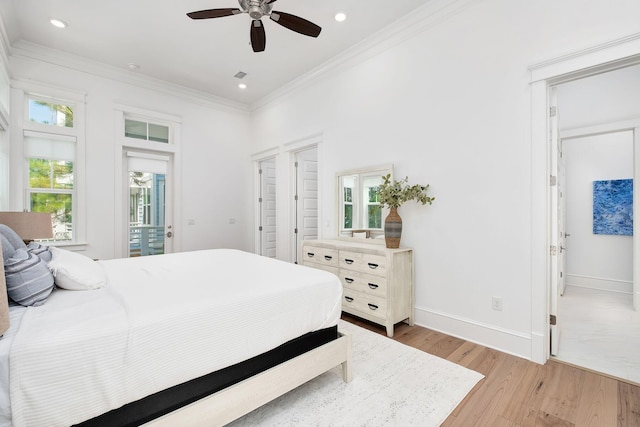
194, 338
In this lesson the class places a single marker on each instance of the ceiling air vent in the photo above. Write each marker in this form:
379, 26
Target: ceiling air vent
240, 75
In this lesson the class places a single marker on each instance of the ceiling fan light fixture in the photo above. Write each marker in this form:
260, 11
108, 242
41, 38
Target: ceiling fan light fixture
242, 86
58, 23
340, 16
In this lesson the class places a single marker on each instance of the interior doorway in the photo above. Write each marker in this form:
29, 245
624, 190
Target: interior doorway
595, 317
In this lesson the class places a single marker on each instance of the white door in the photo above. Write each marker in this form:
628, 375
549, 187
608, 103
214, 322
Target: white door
149, 225
267, 208
305, 198
556, 226
562, 218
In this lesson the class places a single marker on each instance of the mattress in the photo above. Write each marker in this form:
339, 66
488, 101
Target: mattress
159, 322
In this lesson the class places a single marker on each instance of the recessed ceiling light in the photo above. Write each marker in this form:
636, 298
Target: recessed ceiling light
242, 86
58, 23
340, 16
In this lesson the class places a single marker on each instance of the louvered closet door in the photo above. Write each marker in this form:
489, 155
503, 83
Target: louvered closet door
267, 202
306, 198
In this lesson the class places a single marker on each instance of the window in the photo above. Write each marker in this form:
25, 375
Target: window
50, 113
347, 200
50, 139
147, 131
360, 202
373, 211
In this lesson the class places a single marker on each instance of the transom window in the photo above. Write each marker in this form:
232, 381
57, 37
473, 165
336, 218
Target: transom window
144, 130
50, 113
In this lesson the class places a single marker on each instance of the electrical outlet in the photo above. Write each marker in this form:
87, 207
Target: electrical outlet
496, 303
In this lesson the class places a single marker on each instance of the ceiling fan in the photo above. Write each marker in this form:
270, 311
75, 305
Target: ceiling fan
256, 10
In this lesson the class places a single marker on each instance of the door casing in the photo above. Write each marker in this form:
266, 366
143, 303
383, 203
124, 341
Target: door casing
606, 57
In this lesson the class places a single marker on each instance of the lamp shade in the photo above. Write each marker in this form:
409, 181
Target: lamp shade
28, 225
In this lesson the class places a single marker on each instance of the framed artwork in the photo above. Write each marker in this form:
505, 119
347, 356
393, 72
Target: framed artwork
613, 207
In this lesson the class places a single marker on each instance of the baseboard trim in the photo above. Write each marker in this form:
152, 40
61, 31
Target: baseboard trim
504, 340
599, 283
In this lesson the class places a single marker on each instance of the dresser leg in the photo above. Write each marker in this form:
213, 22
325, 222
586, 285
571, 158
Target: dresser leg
390, 330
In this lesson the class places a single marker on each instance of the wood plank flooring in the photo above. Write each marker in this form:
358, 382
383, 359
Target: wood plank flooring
517, 393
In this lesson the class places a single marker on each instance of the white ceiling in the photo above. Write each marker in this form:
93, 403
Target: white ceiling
199, 54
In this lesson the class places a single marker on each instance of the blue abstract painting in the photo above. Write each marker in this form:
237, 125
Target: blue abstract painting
613, 207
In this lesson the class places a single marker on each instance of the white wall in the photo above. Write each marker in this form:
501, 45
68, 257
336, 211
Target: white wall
603, 98
450, 106
593, 260
216, 174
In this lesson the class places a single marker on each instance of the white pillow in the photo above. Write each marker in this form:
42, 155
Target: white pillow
75, 272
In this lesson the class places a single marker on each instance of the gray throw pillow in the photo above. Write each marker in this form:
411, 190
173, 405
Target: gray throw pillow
40, 250
12, 237
29, 281
7, 247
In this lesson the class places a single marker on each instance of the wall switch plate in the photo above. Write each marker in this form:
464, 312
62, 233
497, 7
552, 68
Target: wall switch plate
496, 303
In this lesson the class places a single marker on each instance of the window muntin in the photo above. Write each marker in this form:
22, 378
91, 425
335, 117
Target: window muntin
147, 131
50, 113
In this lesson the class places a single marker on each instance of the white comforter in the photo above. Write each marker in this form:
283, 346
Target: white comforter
160, 321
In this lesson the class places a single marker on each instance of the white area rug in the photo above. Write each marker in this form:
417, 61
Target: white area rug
393, 385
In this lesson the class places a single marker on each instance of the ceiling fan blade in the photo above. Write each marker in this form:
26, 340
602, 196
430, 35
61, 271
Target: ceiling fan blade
258, 37
295, 23
213, 13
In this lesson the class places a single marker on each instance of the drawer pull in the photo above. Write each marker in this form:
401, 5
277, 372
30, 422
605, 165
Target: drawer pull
348, 261
373, 266
373, 306
372, 285
348, 279
310, 254
349, 299
328, 257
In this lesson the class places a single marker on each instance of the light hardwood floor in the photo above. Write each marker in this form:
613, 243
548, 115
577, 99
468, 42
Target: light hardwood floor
516, 392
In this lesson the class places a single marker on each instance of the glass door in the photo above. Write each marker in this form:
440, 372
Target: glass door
150, 229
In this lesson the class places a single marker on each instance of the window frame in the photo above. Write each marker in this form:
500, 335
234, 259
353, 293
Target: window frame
22, 93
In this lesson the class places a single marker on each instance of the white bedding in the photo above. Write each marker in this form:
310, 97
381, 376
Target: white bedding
160, 321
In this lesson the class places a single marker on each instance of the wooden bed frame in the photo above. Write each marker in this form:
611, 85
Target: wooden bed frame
237, 400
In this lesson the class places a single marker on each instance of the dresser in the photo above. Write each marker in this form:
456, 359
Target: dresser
377, 282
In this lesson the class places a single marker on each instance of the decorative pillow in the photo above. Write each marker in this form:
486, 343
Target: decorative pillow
12, 237
7, 247
40, 250
29, 281
4, 303
76, 272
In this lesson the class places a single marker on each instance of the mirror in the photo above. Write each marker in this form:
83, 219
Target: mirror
359, 214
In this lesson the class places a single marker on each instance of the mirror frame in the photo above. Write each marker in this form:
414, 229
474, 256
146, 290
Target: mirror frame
371, 170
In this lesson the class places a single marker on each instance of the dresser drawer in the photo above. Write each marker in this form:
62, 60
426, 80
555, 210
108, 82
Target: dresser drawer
364, 263
320, 255
353, 300
328, 268
365, 283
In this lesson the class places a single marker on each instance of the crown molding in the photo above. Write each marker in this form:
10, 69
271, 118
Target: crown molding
35, 52
405, 28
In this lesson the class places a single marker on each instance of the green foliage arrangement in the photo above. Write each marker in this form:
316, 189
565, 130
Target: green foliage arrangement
393, 195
